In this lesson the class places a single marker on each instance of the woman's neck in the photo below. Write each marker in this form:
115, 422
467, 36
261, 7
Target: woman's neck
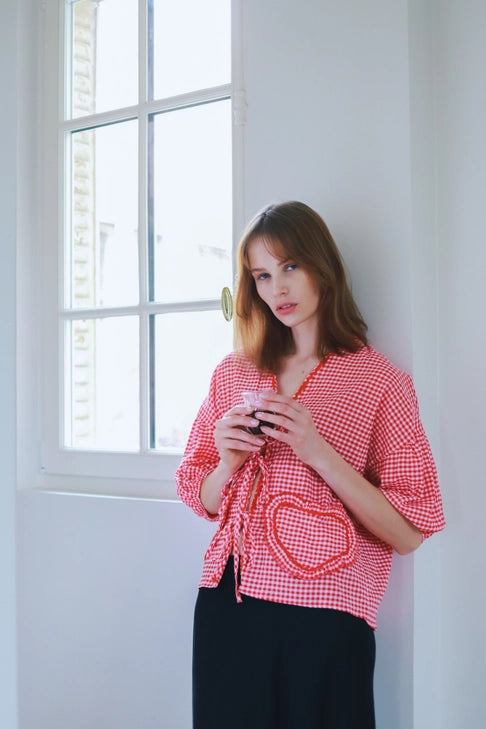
305, 344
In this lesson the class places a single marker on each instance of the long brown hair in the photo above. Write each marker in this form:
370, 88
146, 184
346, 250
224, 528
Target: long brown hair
294, 231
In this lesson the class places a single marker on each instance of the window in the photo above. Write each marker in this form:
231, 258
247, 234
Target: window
140, 209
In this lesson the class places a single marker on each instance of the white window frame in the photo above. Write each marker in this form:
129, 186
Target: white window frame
148, 474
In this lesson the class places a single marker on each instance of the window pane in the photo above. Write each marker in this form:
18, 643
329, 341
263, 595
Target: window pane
104, 216
191, 45
187, 348
192, 202
104, 55
102, 393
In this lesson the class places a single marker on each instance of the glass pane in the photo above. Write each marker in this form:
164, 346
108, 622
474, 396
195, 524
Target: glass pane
102, 388
191, 45
187, 348
104, 216
104, 55
192, 202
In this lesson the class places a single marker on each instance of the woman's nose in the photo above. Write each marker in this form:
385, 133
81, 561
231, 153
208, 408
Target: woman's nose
279, 285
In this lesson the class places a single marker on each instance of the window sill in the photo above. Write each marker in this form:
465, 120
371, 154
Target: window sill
122, 488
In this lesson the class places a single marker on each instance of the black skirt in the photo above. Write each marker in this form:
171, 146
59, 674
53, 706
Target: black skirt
265, 665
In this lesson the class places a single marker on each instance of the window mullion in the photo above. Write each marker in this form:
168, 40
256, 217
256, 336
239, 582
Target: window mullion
145, 379
144, 165
239, 107
148, 308
151, 382
198, 97
143, 227
148, 80
149, 415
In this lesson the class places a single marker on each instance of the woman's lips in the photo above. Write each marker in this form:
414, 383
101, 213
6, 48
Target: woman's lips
284, 309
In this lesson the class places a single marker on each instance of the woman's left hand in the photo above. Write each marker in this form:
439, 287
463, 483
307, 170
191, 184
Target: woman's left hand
363, 499
295, 426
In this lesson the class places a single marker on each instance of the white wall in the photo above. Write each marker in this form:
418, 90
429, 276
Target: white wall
328, 122
105, 611
341, 115
461, 194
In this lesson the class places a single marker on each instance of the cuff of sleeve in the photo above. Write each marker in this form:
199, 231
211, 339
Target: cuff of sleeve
424, 515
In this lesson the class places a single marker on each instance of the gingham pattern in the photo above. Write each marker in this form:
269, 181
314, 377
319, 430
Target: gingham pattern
299, 544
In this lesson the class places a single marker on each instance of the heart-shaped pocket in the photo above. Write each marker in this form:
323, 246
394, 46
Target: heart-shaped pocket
307, 539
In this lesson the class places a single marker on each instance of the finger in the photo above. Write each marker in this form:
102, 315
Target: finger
244, 420
286, 419
229, 436
276, 433
237, 410
241, 446
282, 404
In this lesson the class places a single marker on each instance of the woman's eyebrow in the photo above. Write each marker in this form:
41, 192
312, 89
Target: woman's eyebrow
282, 262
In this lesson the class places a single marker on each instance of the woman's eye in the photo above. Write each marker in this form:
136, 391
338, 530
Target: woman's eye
262, 276
290, 266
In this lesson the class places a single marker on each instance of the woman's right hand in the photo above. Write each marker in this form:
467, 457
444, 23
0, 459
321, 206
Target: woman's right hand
232, 438
234, 444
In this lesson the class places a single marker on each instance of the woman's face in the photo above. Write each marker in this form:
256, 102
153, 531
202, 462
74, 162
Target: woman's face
288, 290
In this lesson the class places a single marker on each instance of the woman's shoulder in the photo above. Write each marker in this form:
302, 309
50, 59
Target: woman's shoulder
375, 366
374, 358
235, 361
234, 375
235, 369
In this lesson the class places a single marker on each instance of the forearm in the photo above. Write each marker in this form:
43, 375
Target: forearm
212, 487
366, 502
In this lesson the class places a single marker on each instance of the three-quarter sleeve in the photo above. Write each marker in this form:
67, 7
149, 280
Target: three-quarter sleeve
401, 462
200, 456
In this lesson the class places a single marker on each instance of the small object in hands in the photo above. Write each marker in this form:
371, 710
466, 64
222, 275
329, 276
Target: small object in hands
252, 400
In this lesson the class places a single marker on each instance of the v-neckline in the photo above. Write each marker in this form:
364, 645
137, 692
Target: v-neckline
306, 379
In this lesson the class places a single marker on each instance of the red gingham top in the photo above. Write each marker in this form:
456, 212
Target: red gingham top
297, 543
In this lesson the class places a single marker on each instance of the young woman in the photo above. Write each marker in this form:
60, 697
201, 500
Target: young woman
311, 507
